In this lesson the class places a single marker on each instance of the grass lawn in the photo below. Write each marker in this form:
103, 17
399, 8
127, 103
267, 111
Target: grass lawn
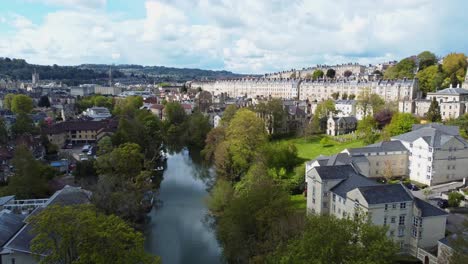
298, 202
310, 148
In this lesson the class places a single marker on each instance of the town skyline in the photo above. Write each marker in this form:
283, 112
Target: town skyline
239, 36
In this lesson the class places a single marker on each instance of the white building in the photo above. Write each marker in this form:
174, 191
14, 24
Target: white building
345, 108
437, 153
97, 113
339, 190
216, 120
82, 90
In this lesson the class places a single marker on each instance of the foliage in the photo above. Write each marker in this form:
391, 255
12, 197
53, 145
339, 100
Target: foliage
344, 96
460, 244
462, 122
7, 100
44, 101
426, 59
198, 126
85, 172
280, 155
22, 104
213, 139
383, 117
220, 196
274, 115
94, 100
128, 106
326, 142
403, 69
326, 239
79, 234
30, 176
454, 67
331, 73
347, 73
351, 96
23, 125
317, 74
368, 101
366, 130
401, 123
335, 95
430, 78
228, 114
454, 199
3, 132
433, 114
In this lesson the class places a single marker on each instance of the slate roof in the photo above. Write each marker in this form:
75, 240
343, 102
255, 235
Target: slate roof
67, 196
337, 159
428, 209
384, 146
385, 193
335, 172
6, 199
355, 180
80, 125
434, 134
9, 224
346, 119
453, 91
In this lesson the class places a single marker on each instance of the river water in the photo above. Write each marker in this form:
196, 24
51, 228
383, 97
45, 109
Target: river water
178, 231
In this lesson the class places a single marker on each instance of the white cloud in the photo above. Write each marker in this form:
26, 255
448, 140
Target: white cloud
242, 35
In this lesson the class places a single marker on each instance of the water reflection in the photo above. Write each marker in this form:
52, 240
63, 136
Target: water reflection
178, 231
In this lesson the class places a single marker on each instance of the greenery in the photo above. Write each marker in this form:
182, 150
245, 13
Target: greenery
274, 115
430, 78
80, 234
454, 199
21, 104
326, 239
4, 135
454, 67
426, 59
433, 114
401, 123
318, 123
369, 102
317, 74
403, 69
366, 130
331, 73
94, 100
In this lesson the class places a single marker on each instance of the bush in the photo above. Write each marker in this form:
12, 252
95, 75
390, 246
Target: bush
454, 199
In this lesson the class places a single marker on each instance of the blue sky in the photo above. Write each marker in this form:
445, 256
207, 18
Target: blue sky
241, 36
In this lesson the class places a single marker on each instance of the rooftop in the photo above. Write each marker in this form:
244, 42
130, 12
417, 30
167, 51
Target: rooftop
335, 172
384, 146
453, 91
434, 134
385, 193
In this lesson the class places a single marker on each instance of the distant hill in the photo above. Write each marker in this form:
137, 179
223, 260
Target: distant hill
19, 69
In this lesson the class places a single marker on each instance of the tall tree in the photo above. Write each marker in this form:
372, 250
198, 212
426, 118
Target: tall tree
3, 132
426, 59
430, 78
331, 73
23, 125
369, 102
327, 239
21, 104
433, 114
80, 234
366, 129
401, 123
198, 126
454, 67
7, 101
403, 69
317, 74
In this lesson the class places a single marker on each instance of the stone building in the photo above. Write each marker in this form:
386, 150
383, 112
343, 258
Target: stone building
341, 125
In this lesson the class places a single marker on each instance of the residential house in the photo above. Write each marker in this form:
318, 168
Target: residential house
341, 125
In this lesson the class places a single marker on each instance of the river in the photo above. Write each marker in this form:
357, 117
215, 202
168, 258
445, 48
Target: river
178, 231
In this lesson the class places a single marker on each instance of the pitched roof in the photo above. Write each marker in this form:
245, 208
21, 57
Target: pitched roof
453, 91
434, 134
428, 209
385, 193
80, 125
384, 146
6, 199
335, 172
355, 180
9, 224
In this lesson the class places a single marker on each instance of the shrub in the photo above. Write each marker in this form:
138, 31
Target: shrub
454, 199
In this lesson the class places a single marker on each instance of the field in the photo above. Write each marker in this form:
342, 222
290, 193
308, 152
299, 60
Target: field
310, 148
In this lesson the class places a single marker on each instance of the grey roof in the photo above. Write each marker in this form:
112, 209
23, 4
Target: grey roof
434, 134
453, 91
337, 159
335, 172
385, 193
346, 119
67, 196
6, 199
354, 180
384, 146
428, 209
9, 224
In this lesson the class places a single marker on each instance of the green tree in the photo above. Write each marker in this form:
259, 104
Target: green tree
220, 197
80, 234
228, 114
128, 105
244, 135
198, 126
22, 104
344, 96
347, 73
403, 69
44, 101
352, 96
401, 123
30, 178
326, 239
426, 59
366, 130
317, 74
105, 145
23, 125
369, 102
318, 123
175, 113
331, 73
454, 66
433, 114
213, 139
335, 95
7, 101
430, 78
274, 115
3, 132
454, 199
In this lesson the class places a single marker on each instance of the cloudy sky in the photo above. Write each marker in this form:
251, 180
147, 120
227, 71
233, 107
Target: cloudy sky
246, 36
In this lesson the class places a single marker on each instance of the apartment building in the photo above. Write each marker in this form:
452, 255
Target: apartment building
341, 191
437, 153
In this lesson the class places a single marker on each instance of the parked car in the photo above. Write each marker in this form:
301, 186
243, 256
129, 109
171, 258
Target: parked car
85, 148
412, 187
442, 203
91, 151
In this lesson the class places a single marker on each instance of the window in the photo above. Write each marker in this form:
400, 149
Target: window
429, 159
414, 233
402, 205
325, 204
430, 149
394, 206
377, 163
401, 220
313, 200
385, 220
386, 207
428, 168
13, 260
392, 220
334, 197
401, 231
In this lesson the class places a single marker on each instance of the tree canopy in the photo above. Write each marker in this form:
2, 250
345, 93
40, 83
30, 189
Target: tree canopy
403, 69
426, 59
21, 104
401, 123
317, 74
433, 114
80, 234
